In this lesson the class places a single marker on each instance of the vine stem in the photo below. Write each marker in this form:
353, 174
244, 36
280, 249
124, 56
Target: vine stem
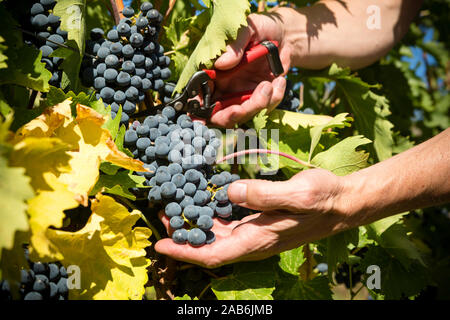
33, 96
115, 9
265, 151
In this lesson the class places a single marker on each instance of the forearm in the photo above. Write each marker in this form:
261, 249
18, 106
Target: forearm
337, 31
417, 178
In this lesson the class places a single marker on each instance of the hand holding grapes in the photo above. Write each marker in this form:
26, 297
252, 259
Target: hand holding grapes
302, 209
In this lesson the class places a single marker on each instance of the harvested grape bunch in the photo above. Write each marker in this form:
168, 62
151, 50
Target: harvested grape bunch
43, 281
180, 153
49, 34
128, 61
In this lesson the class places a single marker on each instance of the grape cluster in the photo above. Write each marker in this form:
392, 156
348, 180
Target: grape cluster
48, 30
127, 61
180, 154
43, 281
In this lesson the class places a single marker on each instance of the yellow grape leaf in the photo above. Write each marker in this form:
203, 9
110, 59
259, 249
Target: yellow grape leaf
46, 123
108, 251
14, 191
40, 156
89, 144
47, 210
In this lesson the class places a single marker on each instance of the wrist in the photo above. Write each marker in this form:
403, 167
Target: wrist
349, 202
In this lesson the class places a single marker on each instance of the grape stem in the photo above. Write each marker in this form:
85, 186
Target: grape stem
265, 151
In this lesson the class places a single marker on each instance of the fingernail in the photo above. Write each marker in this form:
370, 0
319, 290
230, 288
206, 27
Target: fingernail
238, 192
278, 83
267, 90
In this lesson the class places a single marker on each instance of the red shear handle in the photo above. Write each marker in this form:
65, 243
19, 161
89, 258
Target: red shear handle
250, 55
229, 100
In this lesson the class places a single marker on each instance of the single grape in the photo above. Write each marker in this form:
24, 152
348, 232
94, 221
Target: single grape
139, 59
143, 143
128, 12
176, 222
179, 195
110, 75
136, 40
221, 196
119, 97
225, 211
187, 200
180, 236
162, 177
36, 9
113, 35
200, 197
191, 212
128, 66
190, 189
210, 237
123, 79
141, 22
192, 175
130, 138
196, 237
173, 209
39, 22
168, 190
154, 195
205, 222
127, 51
206, 211
33, 295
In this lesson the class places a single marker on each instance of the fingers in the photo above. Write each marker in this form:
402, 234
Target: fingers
264, 195
266, 95
210, 256
235, 50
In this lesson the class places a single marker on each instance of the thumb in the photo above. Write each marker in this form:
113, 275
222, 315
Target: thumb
233, 55
263, 194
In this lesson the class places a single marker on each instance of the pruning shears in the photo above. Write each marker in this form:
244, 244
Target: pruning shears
198, 83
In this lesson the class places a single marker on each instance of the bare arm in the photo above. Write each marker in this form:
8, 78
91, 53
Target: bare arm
417, 178
350, 33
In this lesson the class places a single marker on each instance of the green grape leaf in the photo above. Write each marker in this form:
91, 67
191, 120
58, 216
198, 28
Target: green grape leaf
3, 58
292, 133
336, 248
249, 281
13, 260
397, 281
291, 260
342, 158
26, 69
15, 189
338, 121
119, 184
293, 288
395, 241
70, 66
73, 15
369, 109
96, 17
227, 19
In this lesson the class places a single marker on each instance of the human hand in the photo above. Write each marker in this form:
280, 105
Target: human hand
302, 209
268, 90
